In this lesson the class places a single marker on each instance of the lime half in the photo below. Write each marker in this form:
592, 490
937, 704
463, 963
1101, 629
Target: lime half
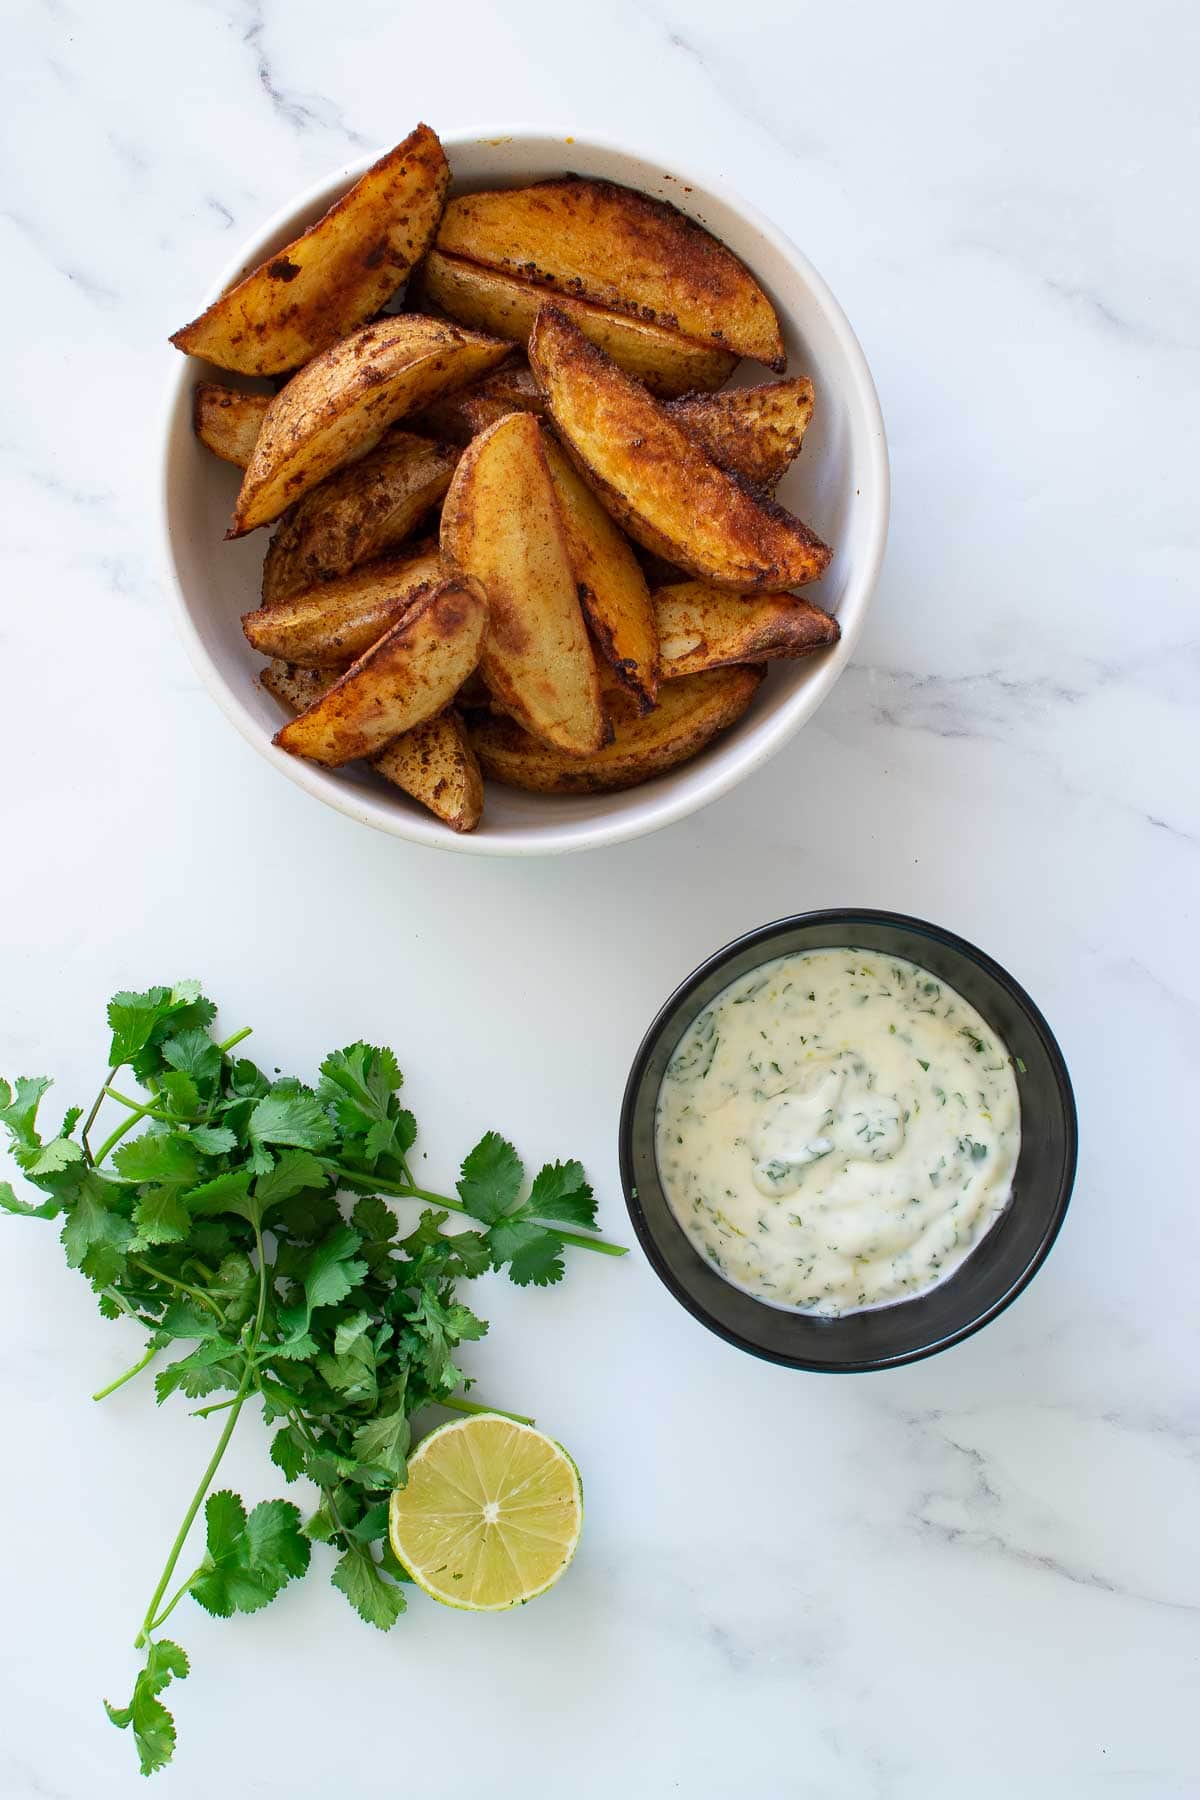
491, 1513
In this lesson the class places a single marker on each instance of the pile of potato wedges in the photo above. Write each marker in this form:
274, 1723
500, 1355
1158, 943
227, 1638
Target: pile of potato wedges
519, 531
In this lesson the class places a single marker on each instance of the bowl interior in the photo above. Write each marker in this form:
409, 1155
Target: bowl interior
1005, 1259
838, 485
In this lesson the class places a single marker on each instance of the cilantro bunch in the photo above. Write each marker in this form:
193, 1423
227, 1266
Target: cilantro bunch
244, 1231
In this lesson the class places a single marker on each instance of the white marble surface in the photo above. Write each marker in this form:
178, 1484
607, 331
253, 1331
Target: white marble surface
978, 1574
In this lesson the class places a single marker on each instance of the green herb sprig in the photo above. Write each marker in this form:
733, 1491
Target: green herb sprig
243, 1229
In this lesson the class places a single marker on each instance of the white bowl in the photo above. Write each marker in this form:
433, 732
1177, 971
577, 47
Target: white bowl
839, 486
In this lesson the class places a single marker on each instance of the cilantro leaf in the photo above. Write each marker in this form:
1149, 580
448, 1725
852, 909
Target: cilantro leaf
249, 1558
490, 1182
160, 1217
561, 1192
382, 1443
25, 1209
224, 1193
212, 1140
537, 1260
296, 1119
194, 1054
332, 1272
132, 1018
159, 1156
288, 1452
375, 1599
294, 1172
96, 1236
178, 1094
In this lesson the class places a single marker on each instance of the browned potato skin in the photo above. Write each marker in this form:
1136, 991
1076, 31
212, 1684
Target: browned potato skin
367, 508
491, 301
656, 480
612, 589
227, 421
338, 620
755, 432
501, 523
702, 627
434, 762
462, 416
688, 716
408, 676
341, 403
337, 274
618, 248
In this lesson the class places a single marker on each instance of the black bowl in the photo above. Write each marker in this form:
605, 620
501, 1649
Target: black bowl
1004, 1261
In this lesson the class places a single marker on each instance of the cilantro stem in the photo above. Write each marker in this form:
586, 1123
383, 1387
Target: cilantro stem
378, 1184
129, 1374
173, 1602
474, 1406
183, 1286
235, 1039
206, 1480
97, 1103
143, 1111
114, 1138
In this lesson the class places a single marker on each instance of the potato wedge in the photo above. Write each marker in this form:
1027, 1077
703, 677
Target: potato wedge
227, 421
336, 621
702, 627
501, 524
756, 431
688, 716
411, 673
366, 508
618, 248
434, 762
342, 402
655, 478
608, 578
337, 274
488, 300
462, 416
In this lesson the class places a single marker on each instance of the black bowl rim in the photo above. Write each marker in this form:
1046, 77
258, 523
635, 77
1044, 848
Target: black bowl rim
848, 917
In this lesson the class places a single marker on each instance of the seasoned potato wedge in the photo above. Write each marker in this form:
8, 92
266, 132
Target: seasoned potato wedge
227, 421
655, 478
342, 402
411, 673
701, 627
688, 716
462, 416
338, 620
618, 248
756, 431
501, 524
366, 508
337, 274
491, 301
612, 589
434, 762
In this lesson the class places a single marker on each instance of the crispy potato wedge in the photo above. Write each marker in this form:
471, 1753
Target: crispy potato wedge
501, 524
342, 402
618, 248
655, 478
338, 620
462, 416
411, 673
228, 421
608, 578
434, 762
688, 716
756, 431
366, 508
702, 627
491, 301
337, 274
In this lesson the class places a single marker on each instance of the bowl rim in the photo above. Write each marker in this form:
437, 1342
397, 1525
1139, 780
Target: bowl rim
847, 916
662, 809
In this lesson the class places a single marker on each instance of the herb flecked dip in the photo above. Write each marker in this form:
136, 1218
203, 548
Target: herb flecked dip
837, 1131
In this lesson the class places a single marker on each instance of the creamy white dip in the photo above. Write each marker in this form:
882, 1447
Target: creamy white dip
838, 1130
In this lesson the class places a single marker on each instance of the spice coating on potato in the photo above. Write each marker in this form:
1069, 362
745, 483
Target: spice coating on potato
688, 716
657, 480
411, 673
338, 620
227, 421
702, 627
339, 272
343, 401
501, 524
489, 300
619, 248
756, 431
